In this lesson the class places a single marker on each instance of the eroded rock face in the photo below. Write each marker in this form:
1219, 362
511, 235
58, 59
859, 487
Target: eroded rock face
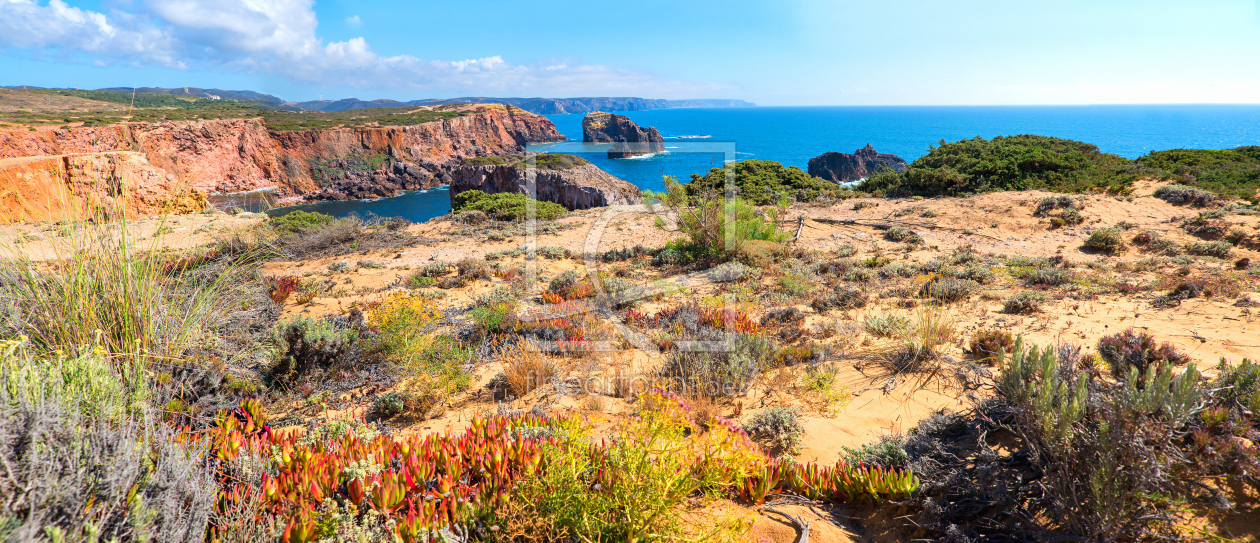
628, 139
78, 187
578, 185
844, 167
238, 155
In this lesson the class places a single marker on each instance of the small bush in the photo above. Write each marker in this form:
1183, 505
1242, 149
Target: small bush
505, 206
778, 426
472, 217
900, 233
839, 299
340, 267
947, 290
862, 204
977, 273
1026, 301
723, 372
370, 264
471, 269
389, 404
299, 221
1214, 249
732, 271
846, 251
987, 344
1183, 194
1051, 276
668, 257
1106, 240
885, 325
1134, 349
1239, 385
304, 345
888, 453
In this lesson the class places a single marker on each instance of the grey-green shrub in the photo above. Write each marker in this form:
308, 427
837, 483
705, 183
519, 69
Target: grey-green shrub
1025, 301
1106, 240
1215, 249
780, 426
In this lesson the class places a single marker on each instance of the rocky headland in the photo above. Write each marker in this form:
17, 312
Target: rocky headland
628, 139
845, 167
169, 166
567, 180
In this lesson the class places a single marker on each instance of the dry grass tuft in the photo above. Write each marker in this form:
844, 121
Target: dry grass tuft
526, 368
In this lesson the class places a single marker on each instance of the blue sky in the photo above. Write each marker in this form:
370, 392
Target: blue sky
773, 53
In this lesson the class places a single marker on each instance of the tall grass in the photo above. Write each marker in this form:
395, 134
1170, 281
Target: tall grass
98, 286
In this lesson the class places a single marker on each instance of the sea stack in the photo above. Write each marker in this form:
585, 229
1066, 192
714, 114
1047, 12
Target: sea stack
567, 180
628, 139
845, 168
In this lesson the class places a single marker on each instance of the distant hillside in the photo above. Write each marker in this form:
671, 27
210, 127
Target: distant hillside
542, 106
244, 95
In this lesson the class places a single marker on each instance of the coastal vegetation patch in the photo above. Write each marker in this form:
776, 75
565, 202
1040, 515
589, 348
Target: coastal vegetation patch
765, 182
1029, 161
164, 107
505, 206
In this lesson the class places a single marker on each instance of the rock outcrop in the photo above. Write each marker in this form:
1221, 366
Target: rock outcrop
239, 155
628, 139
564, 179
78, 187
844, 167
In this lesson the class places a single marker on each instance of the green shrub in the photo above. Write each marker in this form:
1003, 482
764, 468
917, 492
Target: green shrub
720, 372
1051, 276
888, 453
842, 298
669, 257
303, 345
505, 206
1182, 194
1239, 385
947, 290
977, 273
1025, 301
1008, 163
764, 182
732, 271
778, 426
1233, 173
703, 218
299, 221
901, 233
885, 325
87, 382
1106, 240
1215, 249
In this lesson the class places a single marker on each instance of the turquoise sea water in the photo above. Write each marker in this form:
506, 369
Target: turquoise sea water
793, 135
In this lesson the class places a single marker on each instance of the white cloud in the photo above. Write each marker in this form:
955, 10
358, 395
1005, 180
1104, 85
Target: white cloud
278, 37
354, 20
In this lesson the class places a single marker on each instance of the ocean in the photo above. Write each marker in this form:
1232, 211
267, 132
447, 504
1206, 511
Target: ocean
698, 139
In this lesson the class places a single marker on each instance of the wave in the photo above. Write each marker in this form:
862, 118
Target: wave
743, 153
641, 157
689, 137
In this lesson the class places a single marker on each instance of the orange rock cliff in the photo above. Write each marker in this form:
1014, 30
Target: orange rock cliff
169, 167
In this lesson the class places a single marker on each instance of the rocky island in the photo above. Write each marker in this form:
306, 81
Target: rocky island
845, 167
628, 139
567, 180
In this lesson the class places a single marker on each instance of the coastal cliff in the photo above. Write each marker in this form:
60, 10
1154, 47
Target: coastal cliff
166, 160
628, 139
845, 167
567, 180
